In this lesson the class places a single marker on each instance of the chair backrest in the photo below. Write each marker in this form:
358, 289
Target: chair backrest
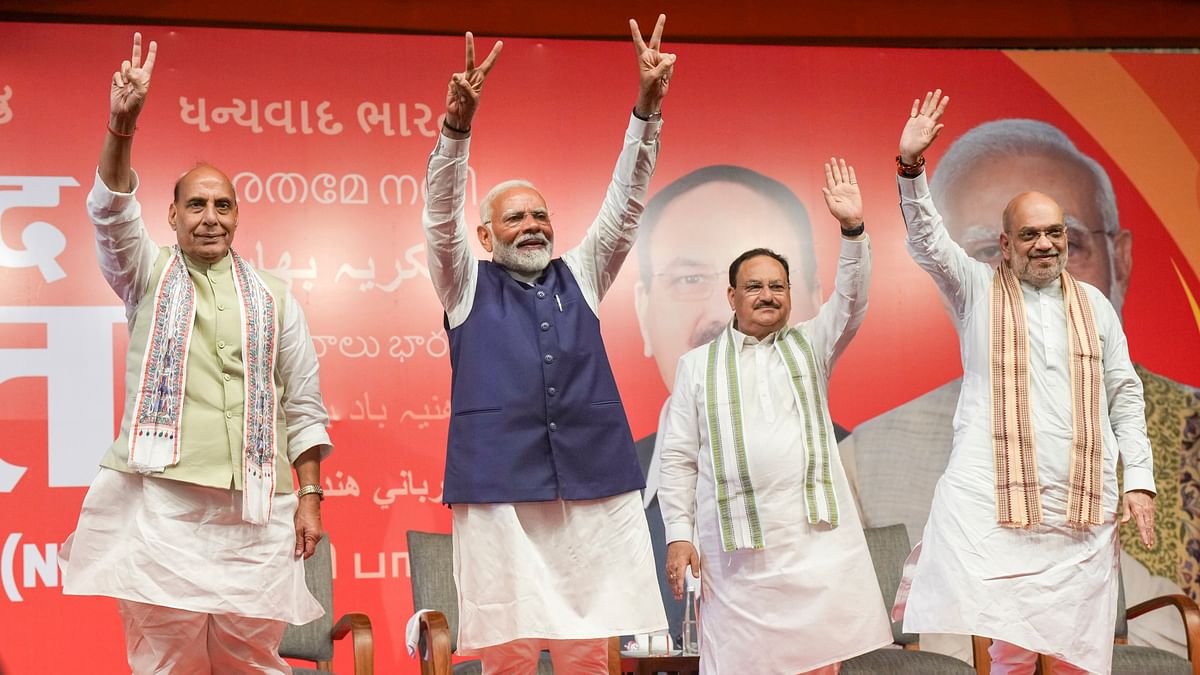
431, 561
889, 549
314, 640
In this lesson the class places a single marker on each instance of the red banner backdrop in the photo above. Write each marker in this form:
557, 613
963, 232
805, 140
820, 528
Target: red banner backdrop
326, 138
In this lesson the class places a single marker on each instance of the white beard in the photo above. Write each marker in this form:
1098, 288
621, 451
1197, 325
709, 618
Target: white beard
524, 262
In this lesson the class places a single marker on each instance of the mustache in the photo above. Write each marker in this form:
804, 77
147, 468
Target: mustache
773, 304
532, 236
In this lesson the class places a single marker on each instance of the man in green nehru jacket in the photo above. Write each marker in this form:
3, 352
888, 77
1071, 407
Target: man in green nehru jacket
192, 522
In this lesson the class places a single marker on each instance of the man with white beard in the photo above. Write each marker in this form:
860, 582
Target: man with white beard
551, 549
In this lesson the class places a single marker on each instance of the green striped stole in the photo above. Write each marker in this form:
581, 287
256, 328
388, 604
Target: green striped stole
737, 511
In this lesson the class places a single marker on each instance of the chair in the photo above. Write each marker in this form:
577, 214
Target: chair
1130, 659
431, 560
314, 640
889, 548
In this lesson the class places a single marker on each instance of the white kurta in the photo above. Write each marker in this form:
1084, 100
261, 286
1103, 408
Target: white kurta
561, 569
1049, 588
810, 597
174, 544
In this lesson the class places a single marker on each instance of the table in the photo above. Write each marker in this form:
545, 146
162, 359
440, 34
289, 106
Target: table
650, 665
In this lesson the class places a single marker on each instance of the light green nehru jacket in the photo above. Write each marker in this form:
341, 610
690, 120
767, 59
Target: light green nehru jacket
211, 450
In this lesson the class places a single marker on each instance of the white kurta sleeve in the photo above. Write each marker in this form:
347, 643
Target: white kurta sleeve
839, 318
680, 456
933, 250
597, 259
303, 406
1126, 404
124, 249
452, 265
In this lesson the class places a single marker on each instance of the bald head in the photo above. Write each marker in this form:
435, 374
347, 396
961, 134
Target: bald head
1030, 206
204, 214
1033, 239
202, 167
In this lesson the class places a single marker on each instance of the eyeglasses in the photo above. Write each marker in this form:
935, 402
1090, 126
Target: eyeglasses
514, 218
1083, 246
690, 283
1032, 234
776, 288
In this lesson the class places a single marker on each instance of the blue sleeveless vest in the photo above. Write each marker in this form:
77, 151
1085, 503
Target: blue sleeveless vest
536, 413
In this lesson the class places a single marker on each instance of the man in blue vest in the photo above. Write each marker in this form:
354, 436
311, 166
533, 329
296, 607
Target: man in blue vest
551, 549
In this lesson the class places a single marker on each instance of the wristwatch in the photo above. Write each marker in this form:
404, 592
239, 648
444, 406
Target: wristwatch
652, 117
311, 490
855, 231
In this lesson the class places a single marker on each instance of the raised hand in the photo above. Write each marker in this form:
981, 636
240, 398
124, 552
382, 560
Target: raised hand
923, 125
129, 87
841, 193
654, 68
462, 94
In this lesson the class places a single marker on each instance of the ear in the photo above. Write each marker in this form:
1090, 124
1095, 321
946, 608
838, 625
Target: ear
171, 213
1122, 258
729, 294
641, 305
485, 237
1004, 252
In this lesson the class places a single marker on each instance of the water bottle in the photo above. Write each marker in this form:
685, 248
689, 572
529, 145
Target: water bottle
691, 606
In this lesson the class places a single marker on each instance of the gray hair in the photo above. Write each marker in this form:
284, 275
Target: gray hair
1020, 138
485, 207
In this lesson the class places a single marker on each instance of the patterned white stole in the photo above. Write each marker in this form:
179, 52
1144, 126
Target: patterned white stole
155, 435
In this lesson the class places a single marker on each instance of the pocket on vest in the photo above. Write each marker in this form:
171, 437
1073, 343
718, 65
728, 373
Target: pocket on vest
476, 411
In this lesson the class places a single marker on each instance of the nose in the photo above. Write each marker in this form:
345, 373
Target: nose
209, 217
1043, 241
531, 224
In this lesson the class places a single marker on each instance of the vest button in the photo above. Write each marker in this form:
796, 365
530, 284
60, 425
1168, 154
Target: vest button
228, 415
551, 391
553, 426
220, 344
549, 358
226, 376
541, 295
220, 308
545, 325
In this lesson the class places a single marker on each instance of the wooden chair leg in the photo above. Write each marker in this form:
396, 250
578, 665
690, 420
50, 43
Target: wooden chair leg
980, 656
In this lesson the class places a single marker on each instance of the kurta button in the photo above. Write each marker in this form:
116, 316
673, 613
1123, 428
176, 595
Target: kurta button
228, 415
551, 391
220, 344
541, 295
553, 426
220, 308
226, 376
549, 358
545, 325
